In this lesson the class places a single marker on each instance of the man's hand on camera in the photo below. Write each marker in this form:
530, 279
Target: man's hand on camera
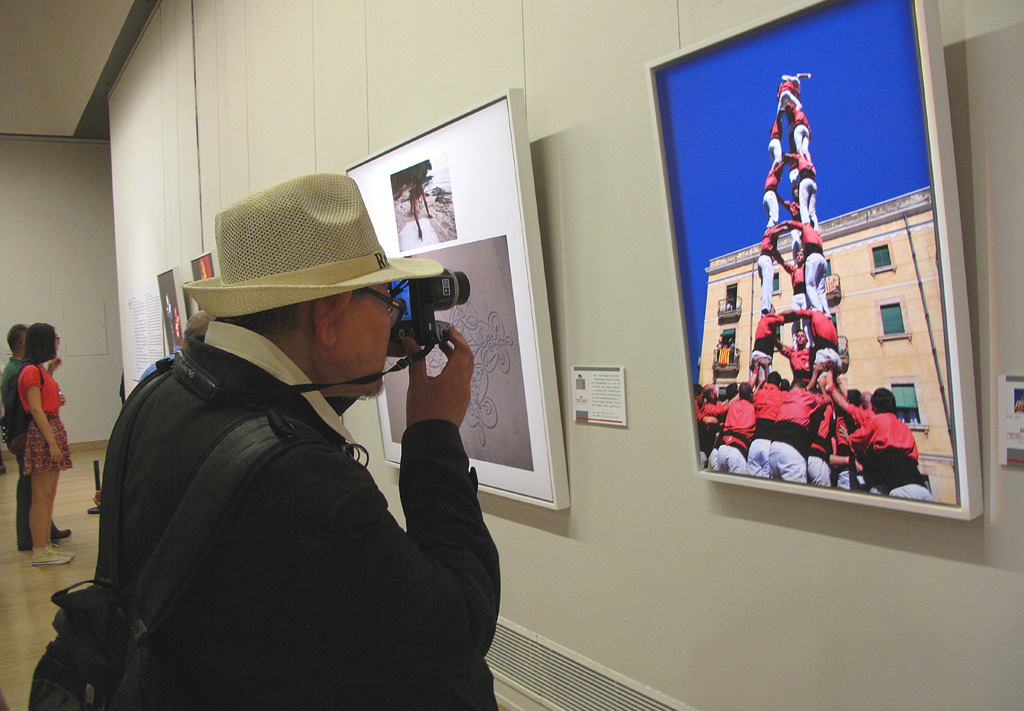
446, 395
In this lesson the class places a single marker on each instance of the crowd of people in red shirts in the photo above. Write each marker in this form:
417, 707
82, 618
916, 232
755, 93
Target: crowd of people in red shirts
812, 431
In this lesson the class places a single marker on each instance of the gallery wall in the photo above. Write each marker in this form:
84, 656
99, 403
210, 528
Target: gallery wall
57, 267
720, 597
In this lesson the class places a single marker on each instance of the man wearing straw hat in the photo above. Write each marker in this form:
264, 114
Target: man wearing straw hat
314, 596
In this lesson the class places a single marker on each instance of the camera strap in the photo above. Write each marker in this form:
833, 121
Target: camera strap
188, 371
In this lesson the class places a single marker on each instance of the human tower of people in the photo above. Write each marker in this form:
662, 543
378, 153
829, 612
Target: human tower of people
811, 429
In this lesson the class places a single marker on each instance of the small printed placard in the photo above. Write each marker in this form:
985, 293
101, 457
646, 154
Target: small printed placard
599, 395
1011, 419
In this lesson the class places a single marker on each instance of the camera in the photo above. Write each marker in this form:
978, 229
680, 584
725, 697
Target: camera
424, 297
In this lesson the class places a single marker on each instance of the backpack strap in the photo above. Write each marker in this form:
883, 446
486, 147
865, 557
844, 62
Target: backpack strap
246, 448
112, 510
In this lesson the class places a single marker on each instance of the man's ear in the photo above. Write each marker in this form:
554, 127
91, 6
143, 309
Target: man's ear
328, 314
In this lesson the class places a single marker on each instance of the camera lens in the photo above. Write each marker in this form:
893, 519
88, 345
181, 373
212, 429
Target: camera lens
449, 289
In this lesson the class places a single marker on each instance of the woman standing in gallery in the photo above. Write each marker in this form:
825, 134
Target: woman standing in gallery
46, 448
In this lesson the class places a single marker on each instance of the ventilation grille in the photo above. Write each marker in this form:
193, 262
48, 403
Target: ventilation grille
564, 680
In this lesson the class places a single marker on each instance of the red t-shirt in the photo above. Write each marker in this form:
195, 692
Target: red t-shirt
802, 407
810, 236
800, 162
772, 181
767, 402
714, 409
822, 327
741, 420
799, 360
49, 390
881, 431
788, 85
800, 119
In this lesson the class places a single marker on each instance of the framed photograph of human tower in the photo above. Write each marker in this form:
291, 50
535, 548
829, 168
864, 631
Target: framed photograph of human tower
475, 168
811, 197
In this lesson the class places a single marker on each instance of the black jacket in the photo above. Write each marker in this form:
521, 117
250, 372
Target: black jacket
315, 597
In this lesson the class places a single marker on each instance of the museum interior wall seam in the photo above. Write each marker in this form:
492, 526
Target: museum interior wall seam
57, 247
698, 590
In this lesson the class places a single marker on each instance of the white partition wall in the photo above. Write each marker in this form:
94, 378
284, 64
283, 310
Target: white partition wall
154, 161
57, 266
718, 597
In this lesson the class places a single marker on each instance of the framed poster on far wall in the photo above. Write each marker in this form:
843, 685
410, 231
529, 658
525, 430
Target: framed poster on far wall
462, 194
169, 285
202, 268
811, 196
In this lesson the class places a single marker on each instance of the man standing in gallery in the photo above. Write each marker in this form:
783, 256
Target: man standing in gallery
314, 597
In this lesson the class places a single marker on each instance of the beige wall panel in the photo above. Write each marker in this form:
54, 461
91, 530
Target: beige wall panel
428, 61
162, 27
702, 19
585, 61
339, 74
988, 110
233, 107
178, 20
154, 156
208, 118
57, 240
595, 163
279, 80
138, 174
137, 161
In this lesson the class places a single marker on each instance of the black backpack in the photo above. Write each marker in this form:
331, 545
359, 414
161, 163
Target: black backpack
100, 658
15, 420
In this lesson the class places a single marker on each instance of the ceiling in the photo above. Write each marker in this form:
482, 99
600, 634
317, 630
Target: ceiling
58, 61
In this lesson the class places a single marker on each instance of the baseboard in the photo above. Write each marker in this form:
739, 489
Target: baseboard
532, 672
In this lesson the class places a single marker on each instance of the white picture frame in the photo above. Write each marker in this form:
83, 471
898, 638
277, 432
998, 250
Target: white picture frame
478, 176
821, 39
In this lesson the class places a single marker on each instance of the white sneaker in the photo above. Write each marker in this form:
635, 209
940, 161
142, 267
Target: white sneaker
50, 555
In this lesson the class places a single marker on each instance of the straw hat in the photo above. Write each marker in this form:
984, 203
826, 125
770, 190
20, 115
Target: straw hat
301, 240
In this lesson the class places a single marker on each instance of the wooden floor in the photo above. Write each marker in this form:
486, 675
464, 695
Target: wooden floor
25, 608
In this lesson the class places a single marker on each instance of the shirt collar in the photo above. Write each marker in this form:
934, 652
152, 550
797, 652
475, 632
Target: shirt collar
266, 356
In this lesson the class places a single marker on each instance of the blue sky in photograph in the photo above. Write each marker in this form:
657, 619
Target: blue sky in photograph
863, 103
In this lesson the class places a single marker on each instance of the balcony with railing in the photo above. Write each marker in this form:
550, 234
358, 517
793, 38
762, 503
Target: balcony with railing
844, 353
727, 362
729, 309
833, 289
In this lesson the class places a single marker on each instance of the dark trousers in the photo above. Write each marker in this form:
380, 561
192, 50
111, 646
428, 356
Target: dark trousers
24, 504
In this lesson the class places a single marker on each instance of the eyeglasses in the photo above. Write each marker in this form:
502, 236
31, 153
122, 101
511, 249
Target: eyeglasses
396, 307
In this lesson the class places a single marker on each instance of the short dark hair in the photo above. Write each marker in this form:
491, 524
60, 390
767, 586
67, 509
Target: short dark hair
784, 385
882, 400
40, 345
775, 378
800, 383
266, 323
730, 390
746, 391
16, 336
853, 396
